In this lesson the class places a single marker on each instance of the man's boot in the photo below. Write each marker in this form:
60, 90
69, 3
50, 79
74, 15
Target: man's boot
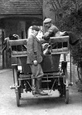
38, 87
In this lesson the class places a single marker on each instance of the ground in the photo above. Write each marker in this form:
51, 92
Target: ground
30, 105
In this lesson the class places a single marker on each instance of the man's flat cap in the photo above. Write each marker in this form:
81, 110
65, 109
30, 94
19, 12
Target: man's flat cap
47, 20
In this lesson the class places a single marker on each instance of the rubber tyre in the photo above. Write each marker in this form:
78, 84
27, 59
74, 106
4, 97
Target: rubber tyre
17, 99
67, 97
17, 89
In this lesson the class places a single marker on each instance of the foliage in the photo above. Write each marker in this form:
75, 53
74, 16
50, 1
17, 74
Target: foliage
63, 12
73, 22
76, 52
68, 17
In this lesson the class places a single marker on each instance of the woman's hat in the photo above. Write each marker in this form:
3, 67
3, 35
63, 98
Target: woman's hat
35, 28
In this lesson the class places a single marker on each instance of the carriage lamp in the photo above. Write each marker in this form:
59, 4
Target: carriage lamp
20, 68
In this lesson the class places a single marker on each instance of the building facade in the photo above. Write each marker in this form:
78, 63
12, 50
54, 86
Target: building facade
16, 16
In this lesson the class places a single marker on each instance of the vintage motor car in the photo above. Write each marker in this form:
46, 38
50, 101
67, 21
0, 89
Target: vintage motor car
55, 72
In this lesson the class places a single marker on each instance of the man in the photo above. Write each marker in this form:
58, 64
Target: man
34, 59
50, 30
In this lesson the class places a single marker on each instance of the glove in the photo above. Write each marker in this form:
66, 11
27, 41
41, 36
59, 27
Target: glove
35, 62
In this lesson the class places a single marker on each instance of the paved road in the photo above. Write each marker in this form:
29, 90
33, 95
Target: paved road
36, 106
